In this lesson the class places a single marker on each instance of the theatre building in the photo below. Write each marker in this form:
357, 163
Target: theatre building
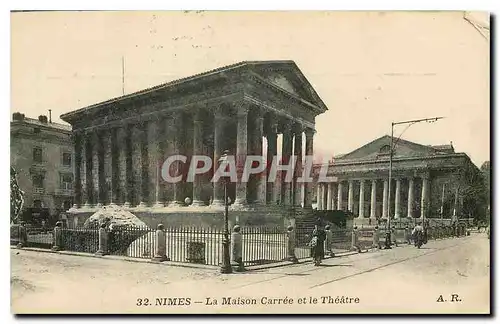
121, 143
427, 181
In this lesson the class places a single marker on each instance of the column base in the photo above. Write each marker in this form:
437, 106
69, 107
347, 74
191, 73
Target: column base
87, 205
175, 204
217, 203
99, 205
126, 204
75, 206
158, 204
142, 204
112, 204
198, 203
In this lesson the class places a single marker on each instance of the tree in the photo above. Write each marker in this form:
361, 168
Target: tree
16, 197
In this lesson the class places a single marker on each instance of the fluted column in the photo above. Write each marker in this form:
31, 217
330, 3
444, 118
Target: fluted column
259, 179
86, 171
219, 148
340, 190
286, 154
397, 199
410, 196
309, 153
122, 142
241, 153
373, 200
77, 142
155, 160
424, 198
175, 169
334, 196
99, 183
361, 213
108, 165
318, 199
329, 197
384, 199
350, 196
297, 186
272, 152
197, 150
136, 141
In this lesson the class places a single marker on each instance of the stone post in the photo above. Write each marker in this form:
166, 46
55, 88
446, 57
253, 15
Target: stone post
58, 241
291, 244
103, 240
354, 240
376, 238
361, 213
407, 235
241, 153
160, 249
23, 236
237, 249
309, 153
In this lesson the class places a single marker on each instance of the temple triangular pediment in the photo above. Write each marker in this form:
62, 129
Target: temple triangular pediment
288, 77
380, 148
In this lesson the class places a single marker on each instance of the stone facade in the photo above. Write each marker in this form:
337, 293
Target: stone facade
427, 181
121, 144
42, 154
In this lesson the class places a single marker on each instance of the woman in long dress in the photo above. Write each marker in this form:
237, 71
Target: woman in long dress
318, 241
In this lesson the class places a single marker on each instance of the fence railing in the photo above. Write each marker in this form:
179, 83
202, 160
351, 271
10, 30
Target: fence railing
259, 245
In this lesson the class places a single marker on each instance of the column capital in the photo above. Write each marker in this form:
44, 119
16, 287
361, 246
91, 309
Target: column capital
309, 131
297, 128
242, 107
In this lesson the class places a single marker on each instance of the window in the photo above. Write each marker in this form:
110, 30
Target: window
37, 154
67, 181
38, 181
37, 203
67, 159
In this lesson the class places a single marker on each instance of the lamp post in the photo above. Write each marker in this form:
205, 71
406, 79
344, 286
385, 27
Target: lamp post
392, 146
226, 262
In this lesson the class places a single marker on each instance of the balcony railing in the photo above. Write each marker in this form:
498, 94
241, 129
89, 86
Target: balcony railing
63, 192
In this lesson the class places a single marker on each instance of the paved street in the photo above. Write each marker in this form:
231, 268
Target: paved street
404, 279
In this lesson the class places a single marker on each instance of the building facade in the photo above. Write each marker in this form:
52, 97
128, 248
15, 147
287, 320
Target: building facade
120, 144
41, 152
427, 181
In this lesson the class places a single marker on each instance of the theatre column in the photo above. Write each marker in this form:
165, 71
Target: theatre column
410, 197
77, 142
397, 199
272, 152
241, 153
99, 183
319, 204
340, 189
329, 197
309, 154
425, 196
297, 186
384, 199
373, 200
350, 196
361, 213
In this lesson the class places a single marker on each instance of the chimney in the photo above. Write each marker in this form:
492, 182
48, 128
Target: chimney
42, 119
50, 115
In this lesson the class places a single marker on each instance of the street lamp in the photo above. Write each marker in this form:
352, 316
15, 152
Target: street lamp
226, 262
391, 152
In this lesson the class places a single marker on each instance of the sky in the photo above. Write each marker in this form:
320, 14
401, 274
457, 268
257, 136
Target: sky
370, 68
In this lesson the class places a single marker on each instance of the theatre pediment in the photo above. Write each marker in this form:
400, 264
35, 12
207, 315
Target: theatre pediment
380, 149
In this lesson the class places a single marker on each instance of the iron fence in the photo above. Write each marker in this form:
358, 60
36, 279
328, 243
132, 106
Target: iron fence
260, 245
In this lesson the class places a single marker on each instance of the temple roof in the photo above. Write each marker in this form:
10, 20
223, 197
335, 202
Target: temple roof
293, 82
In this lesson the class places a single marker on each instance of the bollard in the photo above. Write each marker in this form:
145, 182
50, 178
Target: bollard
329, 241
23, 236
57, 237
237, 250
354, 241
376, 238
103, 240
393, 236
291, 244
160, 248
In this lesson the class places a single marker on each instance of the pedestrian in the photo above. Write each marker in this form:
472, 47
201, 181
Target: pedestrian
317, 243
329, 241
